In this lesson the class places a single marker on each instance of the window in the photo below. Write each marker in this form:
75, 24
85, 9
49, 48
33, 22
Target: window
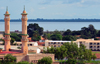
90, 46
94, 43
54, 42
97, 43
59, 46
61, 42
55, 46
94, 49
94, 46
30, 44
91, 43
49, 42
97, 46
58, 42
80, 42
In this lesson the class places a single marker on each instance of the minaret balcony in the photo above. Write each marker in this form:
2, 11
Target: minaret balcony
8, 39
24, 40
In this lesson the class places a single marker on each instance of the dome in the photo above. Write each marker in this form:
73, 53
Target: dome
24, 11
7, 12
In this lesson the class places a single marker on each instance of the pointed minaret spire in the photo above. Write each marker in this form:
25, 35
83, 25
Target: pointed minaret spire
24, 7
7, 8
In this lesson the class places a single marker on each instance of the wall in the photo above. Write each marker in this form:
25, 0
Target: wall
36, 57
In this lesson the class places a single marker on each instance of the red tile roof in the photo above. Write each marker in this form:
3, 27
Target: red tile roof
8, 52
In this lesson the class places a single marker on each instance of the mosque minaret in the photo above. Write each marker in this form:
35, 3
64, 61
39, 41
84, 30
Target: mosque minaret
7, 31
24, 39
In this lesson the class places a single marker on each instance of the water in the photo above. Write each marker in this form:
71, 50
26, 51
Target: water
51, 26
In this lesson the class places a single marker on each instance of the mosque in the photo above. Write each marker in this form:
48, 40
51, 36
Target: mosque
21, 55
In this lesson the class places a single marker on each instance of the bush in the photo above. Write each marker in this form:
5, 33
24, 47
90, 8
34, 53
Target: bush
45, 60
19, 47
71, 61
23, 62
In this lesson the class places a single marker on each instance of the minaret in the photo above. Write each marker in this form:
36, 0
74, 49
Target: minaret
7, 30
24, 39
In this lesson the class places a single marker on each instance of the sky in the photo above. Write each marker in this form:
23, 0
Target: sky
52, 9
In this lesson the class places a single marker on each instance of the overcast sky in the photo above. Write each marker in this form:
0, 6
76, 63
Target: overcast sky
52, 9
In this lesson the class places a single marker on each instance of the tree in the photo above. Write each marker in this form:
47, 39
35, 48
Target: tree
45, 60
73, 50
60, 52
56, 37
16, 36
85, 54
12, 41
89, 32
69, 37
36, 38
71, 61
67, 32
94, 57
57, 32
33, 28
8, 59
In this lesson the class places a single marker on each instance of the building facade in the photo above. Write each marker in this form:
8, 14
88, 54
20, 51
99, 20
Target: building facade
92, 44
55, 43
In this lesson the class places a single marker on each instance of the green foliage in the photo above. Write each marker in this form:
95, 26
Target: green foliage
23, 62
19, 47
89, 32
85, 54
56, 32
36, 38
71, 51
2, 41
48, 36
45, 60
71, 61
67, 32
33, 29
12, 41
16, 36
94, 57
69, 38
10, 58
56, 37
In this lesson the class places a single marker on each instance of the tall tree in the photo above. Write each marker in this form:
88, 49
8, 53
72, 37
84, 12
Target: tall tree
69, 37
32, 28
67, 32
56, 37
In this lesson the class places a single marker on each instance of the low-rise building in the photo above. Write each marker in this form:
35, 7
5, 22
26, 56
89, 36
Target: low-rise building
29, 43
92, 44
55, 43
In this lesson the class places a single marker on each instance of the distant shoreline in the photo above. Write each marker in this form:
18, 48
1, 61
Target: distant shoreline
55, 20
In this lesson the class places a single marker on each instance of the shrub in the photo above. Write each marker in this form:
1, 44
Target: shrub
23, 62
45, 60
